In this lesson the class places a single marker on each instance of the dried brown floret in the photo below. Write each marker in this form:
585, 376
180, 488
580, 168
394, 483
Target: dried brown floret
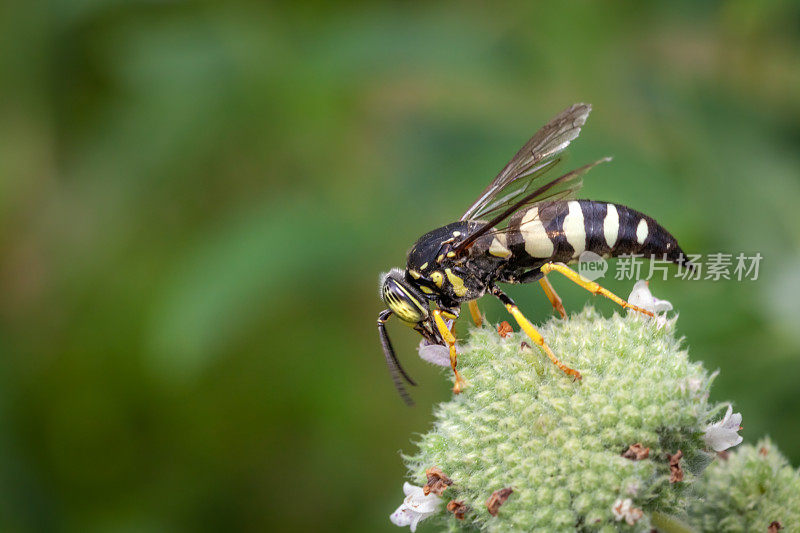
636, 452
504, 329
457, 508
497, 499
675, 470
774, 527
437, 481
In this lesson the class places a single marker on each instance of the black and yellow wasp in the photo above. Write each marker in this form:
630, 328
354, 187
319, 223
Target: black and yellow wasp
515, 233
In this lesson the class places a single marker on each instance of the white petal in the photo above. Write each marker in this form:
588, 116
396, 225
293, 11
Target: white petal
434, 353
419, 503
661, 306
642, 297
719, 439
620, 508
725, 422
409, 489
416, 506
728, 413
402, 516
734, 423
429, 506
724, 434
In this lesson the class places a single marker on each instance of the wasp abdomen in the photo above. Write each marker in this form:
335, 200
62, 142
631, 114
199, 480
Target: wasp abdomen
562, 231
639, 234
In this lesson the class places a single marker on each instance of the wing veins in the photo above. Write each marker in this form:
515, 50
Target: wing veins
545, 144
537, 195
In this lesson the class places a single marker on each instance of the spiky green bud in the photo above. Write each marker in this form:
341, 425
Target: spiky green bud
522, 423
751, 489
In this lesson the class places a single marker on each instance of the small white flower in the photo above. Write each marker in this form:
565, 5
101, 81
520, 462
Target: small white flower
620, 508
435, 353
642, 297
415, 507
624, 510
724, 434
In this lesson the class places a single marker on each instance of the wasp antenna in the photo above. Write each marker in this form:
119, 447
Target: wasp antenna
395, 369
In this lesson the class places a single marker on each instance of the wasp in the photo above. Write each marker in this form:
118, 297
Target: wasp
521, 228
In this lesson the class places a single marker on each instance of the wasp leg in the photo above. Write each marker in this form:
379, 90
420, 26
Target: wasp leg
528, 328
590, 286
475, 313
553, 296
451, 343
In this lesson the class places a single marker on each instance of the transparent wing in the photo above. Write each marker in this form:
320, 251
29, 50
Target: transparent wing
563, 187
536, 158
500, 229
512, 195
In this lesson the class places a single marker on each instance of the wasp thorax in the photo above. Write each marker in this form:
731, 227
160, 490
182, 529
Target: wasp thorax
403, 299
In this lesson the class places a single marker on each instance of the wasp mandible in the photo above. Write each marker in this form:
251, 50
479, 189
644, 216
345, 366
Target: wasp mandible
520, 229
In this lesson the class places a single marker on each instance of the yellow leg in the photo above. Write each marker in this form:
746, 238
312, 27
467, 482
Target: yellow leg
536, 337
475, 312
451, 343
554, 298
590, 286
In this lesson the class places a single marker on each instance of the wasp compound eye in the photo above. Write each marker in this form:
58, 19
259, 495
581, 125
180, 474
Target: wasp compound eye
403, 301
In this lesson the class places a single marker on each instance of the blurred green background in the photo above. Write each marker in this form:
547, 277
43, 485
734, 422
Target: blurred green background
197, 200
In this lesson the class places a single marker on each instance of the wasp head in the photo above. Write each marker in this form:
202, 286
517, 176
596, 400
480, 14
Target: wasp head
403, 298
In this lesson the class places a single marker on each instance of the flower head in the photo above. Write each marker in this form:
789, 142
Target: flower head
416, 507
724, 434
497, 433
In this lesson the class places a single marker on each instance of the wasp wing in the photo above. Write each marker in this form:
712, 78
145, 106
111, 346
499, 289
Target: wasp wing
565, 186
515, 190
536, 158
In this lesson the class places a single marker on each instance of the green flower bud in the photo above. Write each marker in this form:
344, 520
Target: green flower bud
521, 423
751, 489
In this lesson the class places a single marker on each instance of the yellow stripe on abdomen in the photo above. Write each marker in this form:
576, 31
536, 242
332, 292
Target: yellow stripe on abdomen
575, 228
537, 241
611, 225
